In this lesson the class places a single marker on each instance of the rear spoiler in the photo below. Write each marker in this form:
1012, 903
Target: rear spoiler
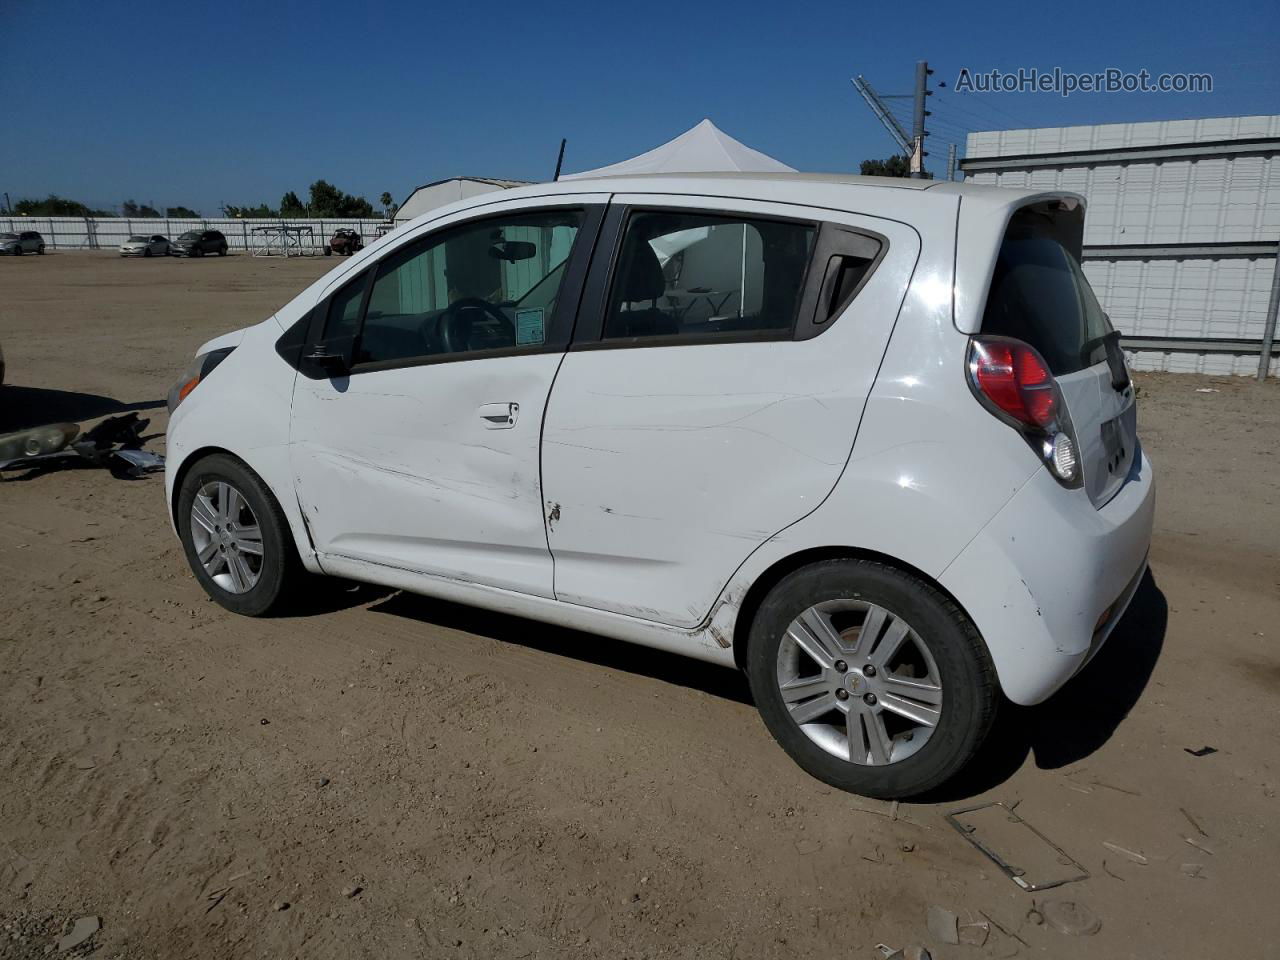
982, 220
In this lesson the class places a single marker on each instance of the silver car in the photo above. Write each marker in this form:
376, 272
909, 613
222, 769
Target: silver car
152, 246
17, 244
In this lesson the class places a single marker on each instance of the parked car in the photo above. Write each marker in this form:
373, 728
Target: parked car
196, 243
142, 246
869, 443
16, 244
344, 242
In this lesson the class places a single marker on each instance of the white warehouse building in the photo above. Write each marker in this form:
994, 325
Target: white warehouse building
1181, 231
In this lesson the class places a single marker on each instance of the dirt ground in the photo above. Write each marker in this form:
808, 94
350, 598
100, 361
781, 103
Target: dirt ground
396, 777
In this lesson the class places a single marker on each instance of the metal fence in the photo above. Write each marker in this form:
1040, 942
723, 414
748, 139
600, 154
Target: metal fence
106, 233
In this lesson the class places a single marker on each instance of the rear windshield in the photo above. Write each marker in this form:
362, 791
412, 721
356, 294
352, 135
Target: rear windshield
1040, 295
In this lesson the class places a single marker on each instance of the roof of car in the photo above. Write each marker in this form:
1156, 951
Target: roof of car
819, 189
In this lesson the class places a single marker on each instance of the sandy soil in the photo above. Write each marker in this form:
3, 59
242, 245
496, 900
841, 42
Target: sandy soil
413, 778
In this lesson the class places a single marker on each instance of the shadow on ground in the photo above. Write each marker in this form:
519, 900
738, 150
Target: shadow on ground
1084, 714
562, 642
1074, 723
24, 407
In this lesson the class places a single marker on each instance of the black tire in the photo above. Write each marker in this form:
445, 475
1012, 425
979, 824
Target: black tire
40, 250
222, 250
967, 676
197, 252
146, 252
281, 570
17, 251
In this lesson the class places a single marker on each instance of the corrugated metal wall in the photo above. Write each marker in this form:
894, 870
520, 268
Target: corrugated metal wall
1206, 199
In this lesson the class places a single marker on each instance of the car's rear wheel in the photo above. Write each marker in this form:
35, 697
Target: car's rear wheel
870, 678
236, 538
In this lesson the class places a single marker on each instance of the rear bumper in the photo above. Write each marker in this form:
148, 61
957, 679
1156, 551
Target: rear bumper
1048, 578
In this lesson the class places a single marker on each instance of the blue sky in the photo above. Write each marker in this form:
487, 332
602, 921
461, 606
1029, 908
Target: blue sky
206, 103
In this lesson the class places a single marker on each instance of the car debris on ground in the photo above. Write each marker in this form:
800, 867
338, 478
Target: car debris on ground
115, 443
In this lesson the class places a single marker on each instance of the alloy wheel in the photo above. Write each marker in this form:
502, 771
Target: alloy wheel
227, 537
859, 682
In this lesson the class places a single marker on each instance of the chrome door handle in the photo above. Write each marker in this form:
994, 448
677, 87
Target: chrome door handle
499, 416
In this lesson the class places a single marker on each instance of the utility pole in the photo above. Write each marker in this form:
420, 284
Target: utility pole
951, 161
918, 132
8, 207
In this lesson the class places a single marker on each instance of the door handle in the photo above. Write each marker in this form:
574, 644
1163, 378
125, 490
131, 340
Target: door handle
499, 416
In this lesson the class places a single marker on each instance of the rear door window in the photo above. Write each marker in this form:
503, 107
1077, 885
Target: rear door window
1039, 295
690, 274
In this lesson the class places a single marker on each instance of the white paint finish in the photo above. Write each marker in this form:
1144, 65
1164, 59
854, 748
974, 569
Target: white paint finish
243, 408
1037, 579
671, 464
929, 471
930, 466
400, 467
698, 644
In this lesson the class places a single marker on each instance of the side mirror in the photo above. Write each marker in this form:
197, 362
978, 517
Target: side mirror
333, 364
513, 250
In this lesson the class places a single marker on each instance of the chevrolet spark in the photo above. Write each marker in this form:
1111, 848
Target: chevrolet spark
871, 441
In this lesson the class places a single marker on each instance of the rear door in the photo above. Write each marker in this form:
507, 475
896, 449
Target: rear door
1039, 295
425, 456
721, 363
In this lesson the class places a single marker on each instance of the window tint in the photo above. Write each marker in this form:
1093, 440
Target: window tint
689, 274
482, 286
1040, 295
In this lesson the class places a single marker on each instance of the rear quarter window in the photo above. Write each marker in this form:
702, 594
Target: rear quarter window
1039, 295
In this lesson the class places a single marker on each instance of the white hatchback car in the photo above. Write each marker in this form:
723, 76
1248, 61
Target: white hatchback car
872, 441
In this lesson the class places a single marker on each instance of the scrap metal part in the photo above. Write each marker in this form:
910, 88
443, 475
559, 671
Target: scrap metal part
115, 442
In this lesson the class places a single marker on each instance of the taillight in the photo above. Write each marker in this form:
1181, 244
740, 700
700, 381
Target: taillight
1011, 379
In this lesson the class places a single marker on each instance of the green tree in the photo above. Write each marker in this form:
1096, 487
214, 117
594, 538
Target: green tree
895, 166
185, 212
56, 206
291, 206
260, 212
131, 209
328, 201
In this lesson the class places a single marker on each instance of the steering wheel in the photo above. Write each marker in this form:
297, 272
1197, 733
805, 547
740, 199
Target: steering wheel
456, 322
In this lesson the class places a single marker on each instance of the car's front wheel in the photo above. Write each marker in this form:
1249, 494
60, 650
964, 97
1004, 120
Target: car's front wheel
40, 250
236, 538
222, 250
870, 678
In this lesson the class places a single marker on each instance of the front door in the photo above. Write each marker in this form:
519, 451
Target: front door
425, 456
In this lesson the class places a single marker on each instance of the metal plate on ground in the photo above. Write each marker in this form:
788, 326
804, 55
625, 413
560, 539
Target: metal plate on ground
1027, 856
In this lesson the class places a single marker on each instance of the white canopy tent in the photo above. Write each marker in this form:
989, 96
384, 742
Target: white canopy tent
704, 148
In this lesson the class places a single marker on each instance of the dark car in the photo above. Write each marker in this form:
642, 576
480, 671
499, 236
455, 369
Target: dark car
344, 243
196, 243
19, 243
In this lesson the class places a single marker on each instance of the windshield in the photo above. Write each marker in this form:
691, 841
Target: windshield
1039, 295
8, 236
190, 235
136, 240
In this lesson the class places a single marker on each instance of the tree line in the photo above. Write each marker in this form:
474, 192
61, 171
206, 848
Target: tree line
323, 200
